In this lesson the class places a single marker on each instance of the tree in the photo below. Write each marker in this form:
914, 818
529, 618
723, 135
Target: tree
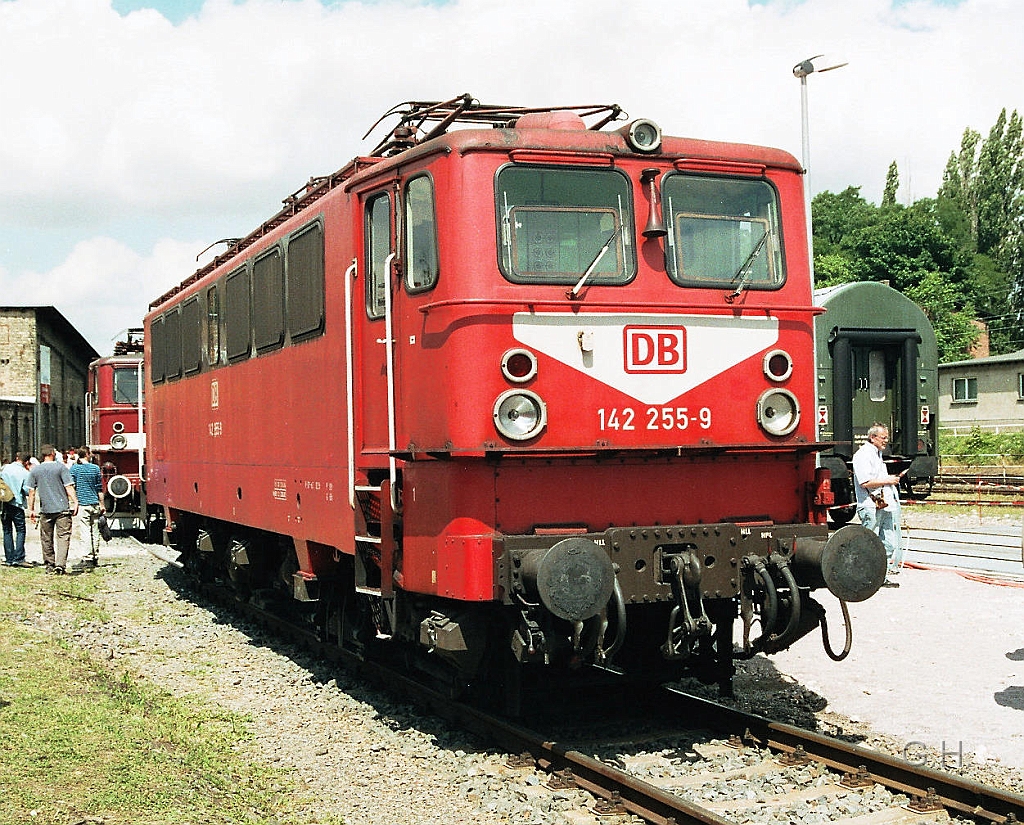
902, 245
836, 217
955, 333
983, 189
892, 184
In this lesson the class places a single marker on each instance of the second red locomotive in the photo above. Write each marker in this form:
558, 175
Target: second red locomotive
527, 397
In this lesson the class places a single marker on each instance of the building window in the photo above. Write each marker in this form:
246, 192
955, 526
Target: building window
965, 390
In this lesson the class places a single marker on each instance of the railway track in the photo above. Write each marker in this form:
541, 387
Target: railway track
994, 550
811, 778
990, 490
800, 767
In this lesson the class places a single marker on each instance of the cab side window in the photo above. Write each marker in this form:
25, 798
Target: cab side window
378, 247
420, 235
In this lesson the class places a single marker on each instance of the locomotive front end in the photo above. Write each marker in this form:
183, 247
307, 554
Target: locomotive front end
641, 412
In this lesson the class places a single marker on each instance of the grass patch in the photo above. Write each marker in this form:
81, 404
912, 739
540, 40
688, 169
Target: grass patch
80, 741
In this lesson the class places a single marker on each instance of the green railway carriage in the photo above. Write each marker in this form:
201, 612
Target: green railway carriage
877, 362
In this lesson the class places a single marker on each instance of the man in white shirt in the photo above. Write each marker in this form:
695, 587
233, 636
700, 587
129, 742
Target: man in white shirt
878, 497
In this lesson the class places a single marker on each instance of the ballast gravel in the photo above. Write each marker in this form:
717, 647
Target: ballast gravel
928, 672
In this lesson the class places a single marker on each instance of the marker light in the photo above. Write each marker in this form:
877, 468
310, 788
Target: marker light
518, 365
778, 366
519, 414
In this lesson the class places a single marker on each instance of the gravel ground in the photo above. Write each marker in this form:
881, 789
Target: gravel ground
939, 660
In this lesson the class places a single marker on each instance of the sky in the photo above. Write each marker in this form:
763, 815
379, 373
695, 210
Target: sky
135, 133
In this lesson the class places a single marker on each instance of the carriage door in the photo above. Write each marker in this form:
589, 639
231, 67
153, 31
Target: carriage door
874, 383
375, 402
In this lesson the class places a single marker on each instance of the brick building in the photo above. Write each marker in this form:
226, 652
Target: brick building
44, 364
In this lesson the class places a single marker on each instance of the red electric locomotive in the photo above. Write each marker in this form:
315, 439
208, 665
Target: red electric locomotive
115, 416
521, 395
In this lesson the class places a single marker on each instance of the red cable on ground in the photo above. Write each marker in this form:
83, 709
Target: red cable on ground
974, 577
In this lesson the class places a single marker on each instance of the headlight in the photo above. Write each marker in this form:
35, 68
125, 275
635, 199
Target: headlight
778, 366
118, 441
778, 412
644, 136
519, 414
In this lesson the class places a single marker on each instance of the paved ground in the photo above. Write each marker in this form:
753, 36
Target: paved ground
938, 660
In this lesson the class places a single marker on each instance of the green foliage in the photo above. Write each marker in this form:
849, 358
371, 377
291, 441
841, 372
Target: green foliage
830, 270
940, 300
983, 448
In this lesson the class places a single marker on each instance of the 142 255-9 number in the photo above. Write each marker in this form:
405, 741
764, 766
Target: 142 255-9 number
653, 418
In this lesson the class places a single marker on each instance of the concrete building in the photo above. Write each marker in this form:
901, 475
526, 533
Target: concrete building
44, 364
987, 393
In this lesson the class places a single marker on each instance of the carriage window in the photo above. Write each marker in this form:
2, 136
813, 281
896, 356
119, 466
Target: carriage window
378, 247
557, 225
420, 235
876, 375
172, 344
191, 343
212, 326
723, 232
268, 301
126, 386
156, 332
306, 283
236, 314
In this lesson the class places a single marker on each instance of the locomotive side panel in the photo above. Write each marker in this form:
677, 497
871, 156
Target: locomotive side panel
258, 438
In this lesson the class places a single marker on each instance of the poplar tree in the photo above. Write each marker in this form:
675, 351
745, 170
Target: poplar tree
892, 184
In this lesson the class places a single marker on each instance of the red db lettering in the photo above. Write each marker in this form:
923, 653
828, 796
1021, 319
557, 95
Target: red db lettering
654, 349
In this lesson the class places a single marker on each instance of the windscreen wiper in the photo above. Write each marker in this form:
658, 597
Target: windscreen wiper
574, 293
743, 273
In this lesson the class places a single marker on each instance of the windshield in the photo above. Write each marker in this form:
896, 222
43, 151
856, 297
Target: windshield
557, 225
126, 386
723, 232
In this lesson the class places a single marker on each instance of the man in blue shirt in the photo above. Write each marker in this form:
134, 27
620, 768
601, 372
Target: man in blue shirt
15, 475
88, 487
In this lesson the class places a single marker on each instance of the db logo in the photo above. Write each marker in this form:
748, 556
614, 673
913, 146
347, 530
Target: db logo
654, 349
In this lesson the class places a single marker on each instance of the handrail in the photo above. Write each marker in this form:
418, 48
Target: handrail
575, 307
350, 275
389, 354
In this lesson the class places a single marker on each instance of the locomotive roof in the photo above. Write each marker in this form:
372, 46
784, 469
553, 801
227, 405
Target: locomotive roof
421, 124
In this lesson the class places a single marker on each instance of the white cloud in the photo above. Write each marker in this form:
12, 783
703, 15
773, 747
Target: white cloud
103, 286
133, 129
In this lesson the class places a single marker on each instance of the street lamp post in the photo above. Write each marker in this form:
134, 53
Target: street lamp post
802, 70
